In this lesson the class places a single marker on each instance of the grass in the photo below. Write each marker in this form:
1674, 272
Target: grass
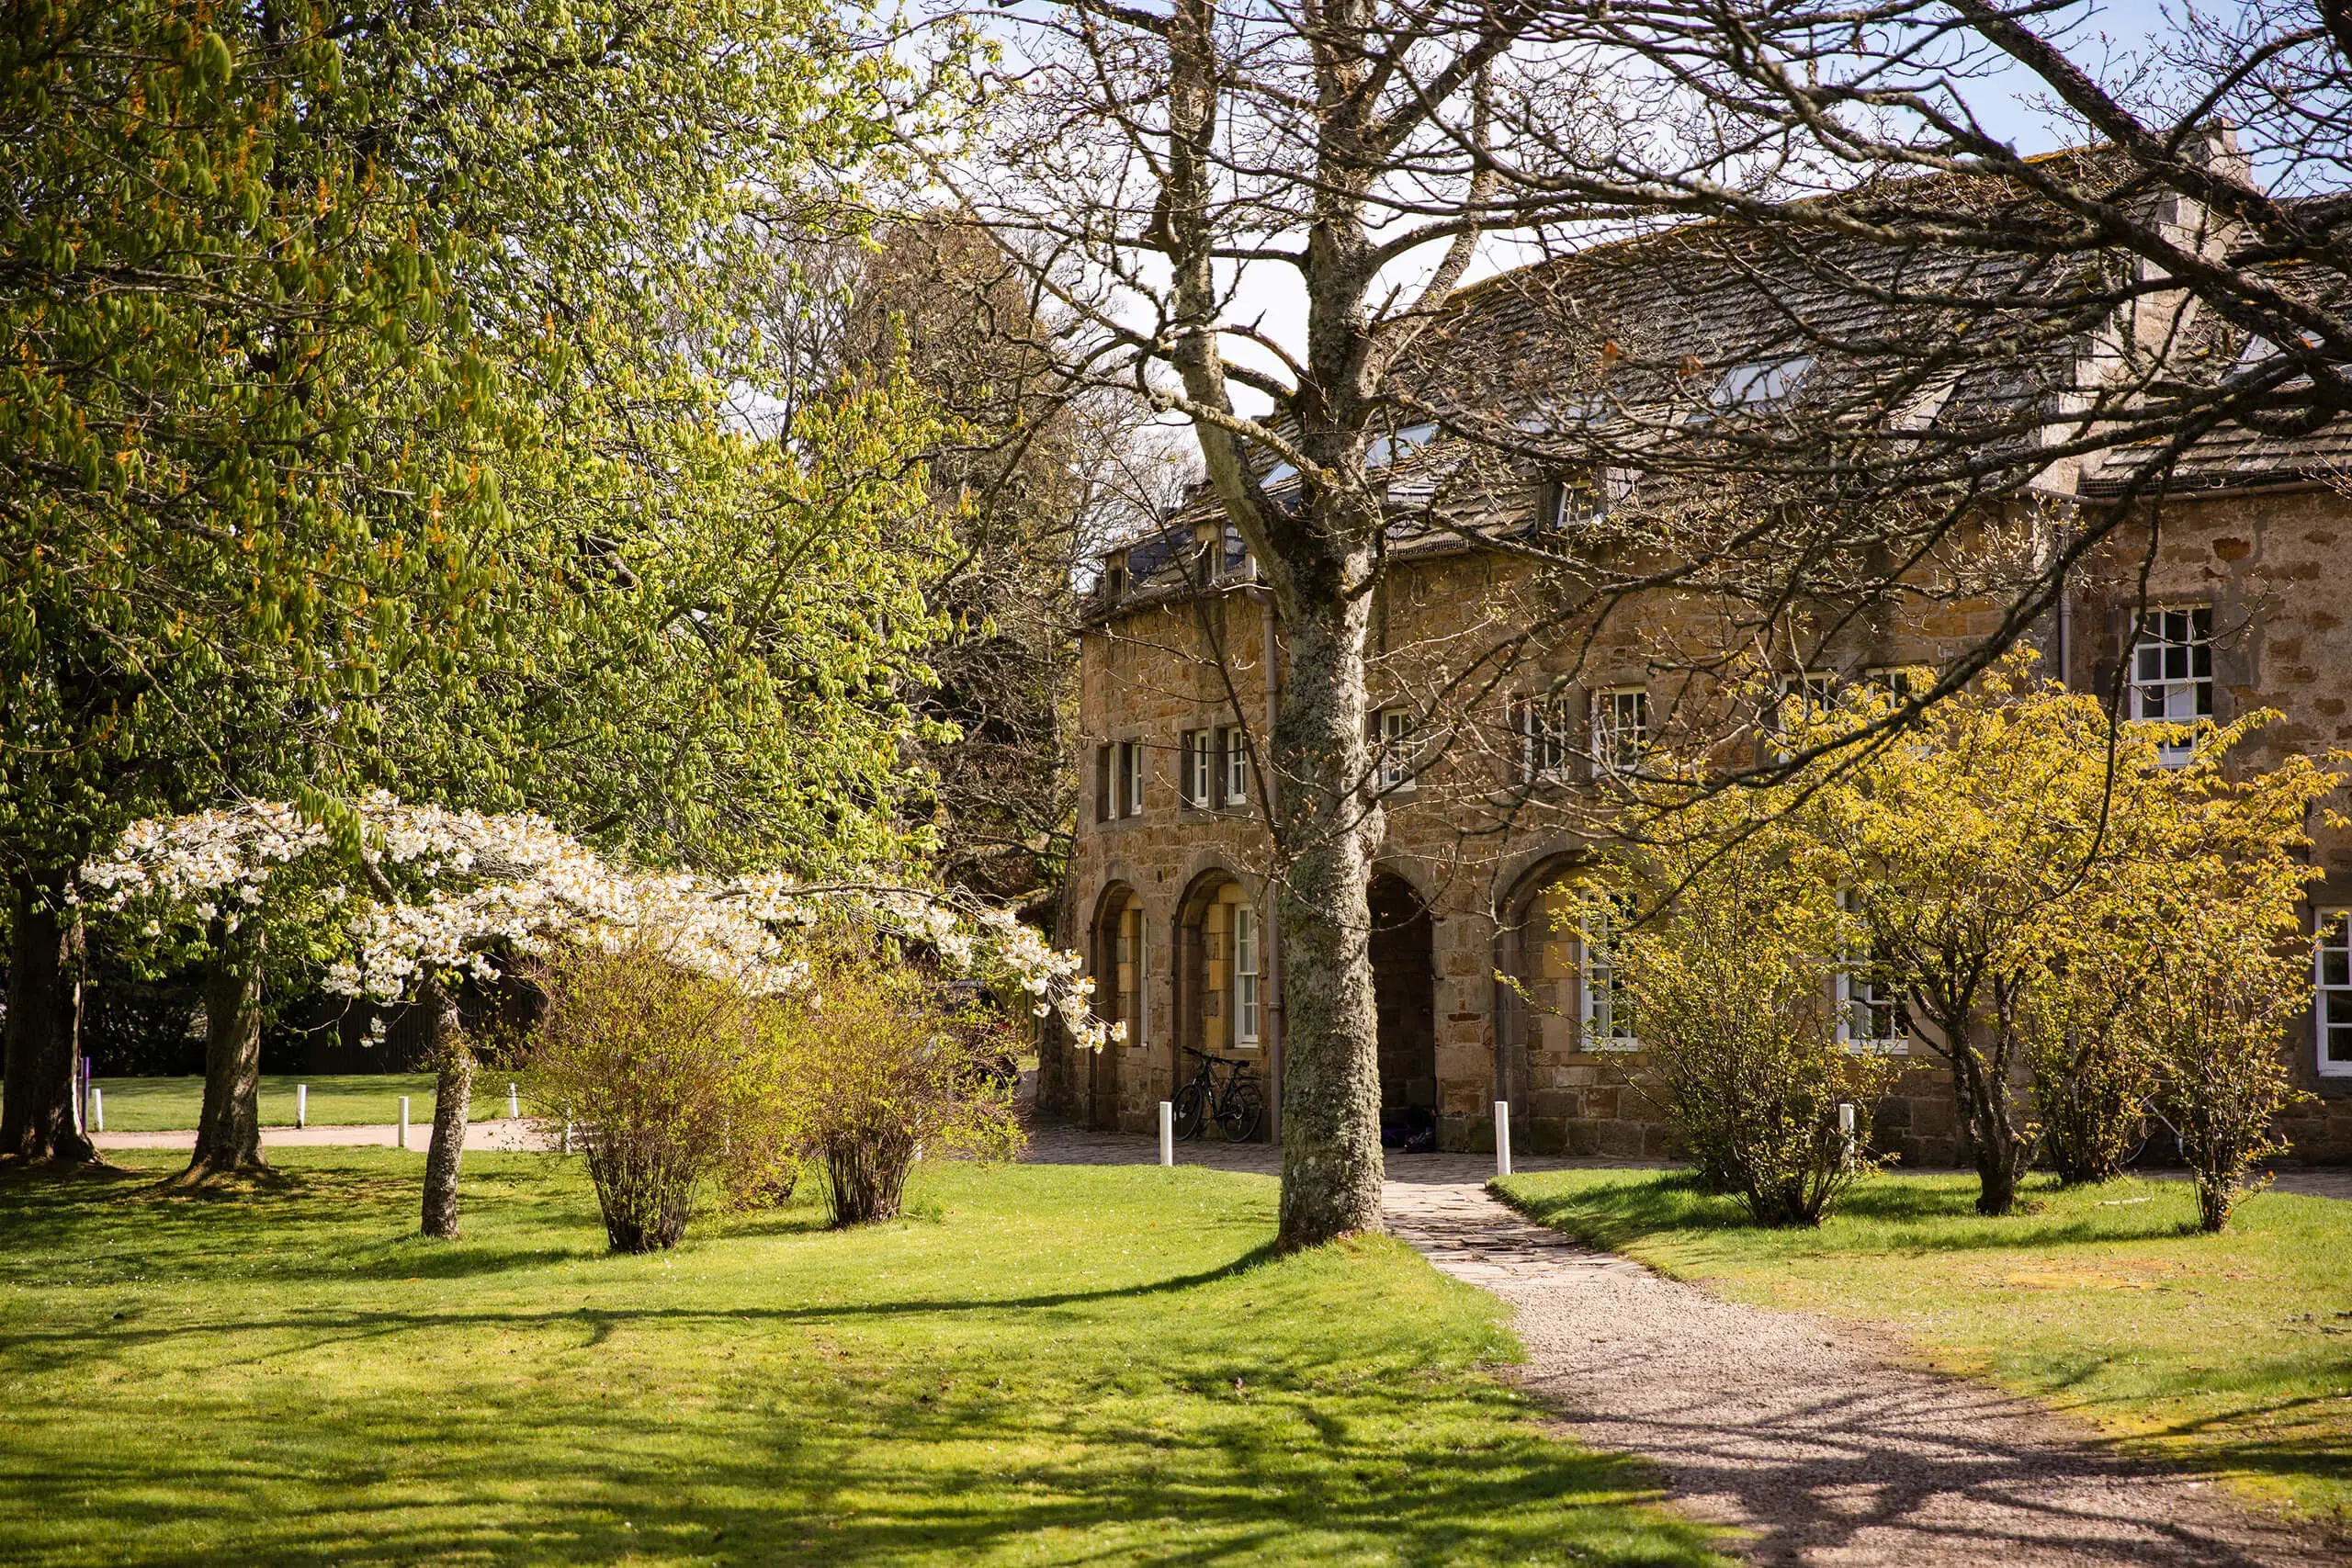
2231, 1353
357, 1100
1040, 1365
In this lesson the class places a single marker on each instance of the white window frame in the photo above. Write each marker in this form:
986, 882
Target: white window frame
1245, 977
1198, 773
1233, 765
1547, 742
2332, 988
2157, 691
1762, 384
1855, 993
1597, 989
1139, 1024
1396, 742
1621, 728
1817, 688
1894, 679
1130, 765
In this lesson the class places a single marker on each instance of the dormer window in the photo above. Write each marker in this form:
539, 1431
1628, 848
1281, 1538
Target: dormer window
1114, 577
1402, 444
1582, 499
1761, 385
2259, 351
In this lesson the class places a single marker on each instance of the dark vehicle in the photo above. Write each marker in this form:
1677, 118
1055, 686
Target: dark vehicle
1233, 1101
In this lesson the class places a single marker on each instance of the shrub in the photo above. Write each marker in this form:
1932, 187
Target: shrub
668, 1080
2216, 1018
883, 1064
1731, 1002
2093, 1079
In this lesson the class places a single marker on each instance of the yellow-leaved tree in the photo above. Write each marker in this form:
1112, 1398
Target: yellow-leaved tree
2047, 892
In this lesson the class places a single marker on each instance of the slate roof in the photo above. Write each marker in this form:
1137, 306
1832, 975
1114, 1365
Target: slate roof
1626, 350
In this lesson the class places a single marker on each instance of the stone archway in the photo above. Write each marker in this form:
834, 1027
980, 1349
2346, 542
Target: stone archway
1222, 962
1116, 962
1404, 987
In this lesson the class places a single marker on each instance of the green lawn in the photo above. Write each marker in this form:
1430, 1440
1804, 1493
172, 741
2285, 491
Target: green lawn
2233, 1352
358, 1100
1042, 1365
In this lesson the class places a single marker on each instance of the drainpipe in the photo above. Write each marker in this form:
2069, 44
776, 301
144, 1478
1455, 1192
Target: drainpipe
1273, 916
2066, 635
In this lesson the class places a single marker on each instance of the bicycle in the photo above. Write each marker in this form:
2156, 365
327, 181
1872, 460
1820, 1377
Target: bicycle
1236, 1105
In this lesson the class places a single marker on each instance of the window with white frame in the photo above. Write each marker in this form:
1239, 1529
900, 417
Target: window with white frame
1872, 1014
1234, 763
1893, 680
2172, 674
1621, 728
1200, 767
1546, 739
1814, 690
2332, 988
1800, 699
1130, 766
1762, 384
1131, 973
1245, 975
1395, 749
1608, 1012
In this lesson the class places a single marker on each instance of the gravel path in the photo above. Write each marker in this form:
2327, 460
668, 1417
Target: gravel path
1823, 1450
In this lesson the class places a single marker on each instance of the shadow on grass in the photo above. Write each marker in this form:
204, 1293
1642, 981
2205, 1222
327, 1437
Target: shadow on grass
865, 1484
1219, 1404
1889, 1214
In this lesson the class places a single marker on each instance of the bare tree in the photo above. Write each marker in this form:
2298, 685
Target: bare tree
1838, 399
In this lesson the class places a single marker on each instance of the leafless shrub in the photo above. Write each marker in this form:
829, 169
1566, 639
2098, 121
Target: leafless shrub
881, 1063
669, 1078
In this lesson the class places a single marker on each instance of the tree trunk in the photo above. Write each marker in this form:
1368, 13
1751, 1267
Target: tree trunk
452, 1103
228, 1130
1332, 1158
44, 1027
1987, 1105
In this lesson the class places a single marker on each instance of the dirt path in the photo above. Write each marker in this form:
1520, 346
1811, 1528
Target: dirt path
1828, 1452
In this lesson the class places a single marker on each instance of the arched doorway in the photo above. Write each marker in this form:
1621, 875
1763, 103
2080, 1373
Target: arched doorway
1404, 989
1221, 987
1117, 963
1535, 945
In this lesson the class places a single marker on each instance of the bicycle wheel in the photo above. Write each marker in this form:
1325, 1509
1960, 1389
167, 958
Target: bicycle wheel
1242, 1111
1192, 1103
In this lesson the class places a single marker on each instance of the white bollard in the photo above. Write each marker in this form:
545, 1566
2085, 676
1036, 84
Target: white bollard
403, 1120
302, 1105
1846, 1127
97, 1109
1502, 1137
514, 1103
1167, 1133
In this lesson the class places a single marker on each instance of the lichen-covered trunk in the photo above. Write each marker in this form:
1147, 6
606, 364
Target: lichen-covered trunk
228, 1129
453, 1102
1332, 1158
44, 1026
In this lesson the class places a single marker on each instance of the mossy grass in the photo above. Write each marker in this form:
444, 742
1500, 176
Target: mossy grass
2229, 1352
1038, 1364
354, 1100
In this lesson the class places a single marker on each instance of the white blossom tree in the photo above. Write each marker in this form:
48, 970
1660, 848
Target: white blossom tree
418, 897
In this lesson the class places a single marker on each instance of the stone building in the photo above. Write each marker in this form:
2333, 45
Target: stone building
1182, 659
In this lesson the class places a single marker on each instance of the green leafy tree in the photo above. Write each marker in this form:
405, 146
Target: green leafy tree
364, 426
